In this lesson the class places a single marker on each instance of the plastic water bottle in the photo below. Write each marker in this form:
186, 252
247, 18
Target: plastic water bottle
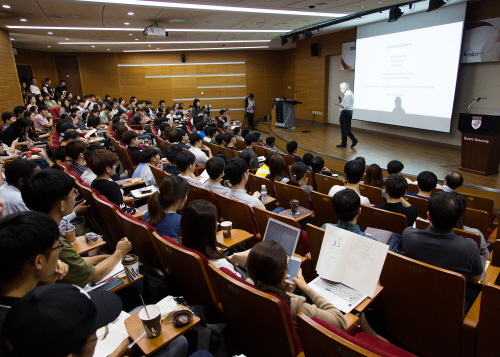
263, 192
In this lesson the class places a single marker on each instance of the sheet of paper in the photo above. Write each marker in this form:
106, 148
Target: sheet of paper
203, 177
381, 235
114, 272
116, 334
364, 265
334, 253
90, 133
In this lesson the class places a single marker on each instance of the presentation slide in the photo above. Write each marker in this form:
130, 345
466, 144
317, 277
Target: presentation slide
408, 78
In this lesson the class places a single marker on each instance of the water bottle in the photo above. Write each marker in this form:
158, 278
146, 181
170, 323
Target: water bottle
263, 192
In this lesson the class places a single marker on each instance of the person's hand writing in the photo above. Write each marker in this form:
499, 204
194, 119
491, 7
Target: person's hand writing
81, 208
61, 269
301, 283
257, 194
124, 246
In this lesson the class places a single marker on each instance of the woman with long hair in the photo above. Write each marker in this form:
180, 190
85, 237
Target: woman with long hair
121, 104
164, 204
374, 176
267, 266
278, 170
65, 107
197, 111
31, 101
299, 178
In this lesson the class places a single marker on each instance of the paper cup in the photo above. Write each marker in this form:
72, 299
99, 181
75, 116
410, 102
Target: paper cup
131, 266
68, 232
152, 324
294, 206
226, 228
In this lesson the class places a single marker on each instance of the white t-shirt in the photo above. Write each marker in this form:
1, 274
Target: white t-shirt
348, 101
223, 263
201, 157
34, 89
364, 200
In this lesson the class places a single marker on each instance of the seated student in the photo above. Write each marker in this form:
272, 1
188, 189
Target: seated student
28, 256
267, 267
7, 119
439, 246
76, 151
182, 138
353, 171
186, 162
139, 118
291, 148
237, 133
318, 166
52, 192
299, 178
197, 146
171, 154
347, 206
374, 176
306, 159
210, 133
395, 167
130, 138
230, 141
277, 169
427, 182
258, 136
41, 121
93, 119
395, 188
201, 236
250, 142
244, 133
263, 171
70, 135
16, 173
270, 143
236, 171
164, 204
452, 181
8, 152
361, 159
149, 156
215, 170
103, 164
200, 126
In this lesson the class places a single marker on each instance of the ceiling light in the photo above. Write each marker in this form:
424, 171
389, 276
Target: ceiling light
23, 20
140, 29
50, 33
161, 42
107, 49
6, 6
137, 39
174, 5
394, 14
130, 34
199, 49
130, 13
435, 4
67, 39
12, 38
49, 46
92, 46
295, 37
126, 23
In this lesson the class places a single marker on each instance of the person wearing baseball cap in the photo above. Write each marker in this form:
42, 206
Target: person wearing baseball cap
58, 320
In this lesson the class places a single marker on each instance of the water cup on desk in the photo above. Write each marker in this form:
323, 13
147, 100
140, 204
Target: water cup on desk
226, 228
130, 264
151, 319
294, 207
68, 232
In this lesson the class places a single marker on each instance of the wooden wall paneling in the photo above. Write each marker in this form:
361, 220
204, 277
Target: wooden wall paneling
100, 74
288, 81
10, 90
42, 64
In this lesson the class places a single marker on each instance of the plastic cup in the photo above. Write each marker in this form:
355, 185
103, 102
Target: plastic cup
152, 324
226, 228
294, 206
131, 266
68, 232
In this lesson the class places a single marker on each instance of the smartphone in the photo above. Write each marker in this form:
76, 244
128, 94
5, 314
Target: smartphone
79, 201
293, 269
144, 191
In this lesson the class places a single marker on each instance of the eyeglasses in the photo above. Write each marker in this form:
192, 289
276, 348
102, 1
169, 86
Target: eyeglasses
60, 246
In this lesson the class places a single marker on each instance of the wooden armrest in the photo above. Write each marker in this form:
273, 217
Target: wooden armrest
352, 322
128, 199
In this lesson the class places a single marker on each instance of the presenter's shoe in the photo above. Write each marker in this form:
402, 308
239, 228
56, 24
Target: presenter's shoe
342, 146
354, 143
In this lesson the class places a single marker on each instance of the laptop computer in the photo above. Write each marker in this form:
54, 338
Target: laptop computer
341, 296
288, 237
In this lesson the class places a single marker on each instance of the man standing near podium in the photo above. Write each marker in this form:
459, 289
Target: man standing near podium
345, 107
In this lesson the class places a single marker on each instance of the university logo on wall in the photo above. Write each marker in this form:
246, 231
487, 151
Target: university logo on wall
476, 122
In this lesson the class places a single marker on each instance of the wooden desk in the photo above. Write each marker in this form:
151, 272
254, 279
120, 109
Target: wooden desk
303, 213
82, 247
140, 211
490, 276
366, 302
129, 182
237, 236
127, 283
149, 346
270, 200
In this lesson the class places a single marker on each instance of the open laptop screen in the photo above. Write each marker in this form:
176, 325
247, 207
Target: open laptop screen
282, 233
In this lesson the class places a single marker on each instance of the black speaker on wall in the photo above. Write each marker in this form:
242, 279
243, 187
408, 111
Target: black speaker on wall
314, 50
183, 58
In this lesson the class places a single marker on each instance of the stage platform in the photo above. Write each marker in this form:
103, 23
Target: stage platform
416, 155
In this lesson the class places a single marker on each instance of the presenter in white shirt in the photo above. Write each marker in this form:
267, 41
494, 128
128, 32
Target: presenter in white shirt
250, 110
345, 107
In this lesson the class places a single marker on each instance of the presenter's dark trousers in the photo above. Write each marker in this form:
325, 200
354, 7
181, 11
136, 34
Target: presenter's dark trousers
250, 119
345, 126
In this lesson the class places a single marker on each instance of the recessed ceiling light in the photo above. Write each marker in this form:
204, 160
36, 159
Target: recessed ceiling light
141, 29
67, 39
107, 49
130, 34
176, 5
23, 20
158, 48
137, 39
130, 13
6, 6
126, 23
12, 38
49, 46
50, 33
92, 46
199, 49
149, 45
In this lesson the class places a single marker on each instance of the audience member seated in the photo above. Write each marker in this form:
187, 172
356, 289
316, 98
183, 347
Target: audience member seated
200, 126
318, 166
452, 181
7, 119
182, 138
347, 206
198, 149
250, 142
199, 228
164, 204
236, 171
267, 266
93, 119
244, 133
395, 188
245, 155
130, 138
395, 167
263, 171
8, 152
306, 159
18, 131
51, 192
270, 141
353, 171
139, 117
210, 134
299, 178
237, 133
75, 150
186, 162
171, 154
16, 174
374, 176
103, 163
230, 141
70, 135
439, 246
219, 139
278, 171
291, 148
427, 182
361, 159
215, 170
149, 156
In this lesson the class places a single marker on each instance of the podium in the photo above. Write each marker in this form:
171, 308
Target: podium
480, 143
285, 112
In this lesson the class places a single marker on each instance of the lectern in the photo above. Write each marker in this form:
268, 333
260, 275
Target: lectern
480, 143
285, 112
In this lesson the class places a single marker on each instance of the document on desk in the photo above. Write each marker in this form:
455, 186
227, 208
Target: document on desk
117, 332
351, 259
